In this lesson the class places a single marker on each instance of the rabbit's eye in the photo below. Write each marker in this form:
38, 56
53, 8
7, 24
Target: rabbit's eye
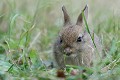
79, 39
61, 41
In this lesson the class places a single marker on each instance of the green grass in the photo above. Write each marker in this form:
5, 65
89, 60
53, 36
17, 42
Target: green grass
28, 30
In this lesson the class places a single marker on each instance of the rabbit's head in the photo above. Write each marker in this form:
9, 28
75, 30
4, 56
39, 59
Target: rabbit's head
71, 37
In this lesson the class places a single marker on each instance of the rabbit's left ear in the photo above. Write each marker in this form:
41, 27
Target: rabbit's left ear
66, 16
80, 18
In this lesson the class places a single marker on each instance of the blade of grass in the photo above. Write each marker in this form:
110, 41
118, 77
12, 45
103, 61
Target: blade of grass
92, 37
12, 21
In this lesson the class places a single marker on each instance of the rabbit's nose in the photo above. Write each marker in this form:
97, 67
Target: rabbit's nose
68, 51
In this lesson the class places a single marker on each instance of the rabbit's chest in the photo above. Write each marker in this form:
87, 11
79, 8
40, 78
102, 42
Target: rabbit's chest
73, 60
84, 58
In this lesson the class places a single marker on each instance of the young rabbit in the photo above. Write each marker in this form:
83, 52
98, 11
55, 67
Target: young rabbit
74, 45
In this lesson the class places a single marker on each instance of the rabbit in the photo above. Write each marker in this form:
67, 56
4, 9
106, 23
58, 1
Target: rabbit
74, 45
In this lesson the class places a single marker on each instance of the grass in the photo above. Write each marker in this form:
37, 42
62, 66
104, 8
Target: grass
28, 30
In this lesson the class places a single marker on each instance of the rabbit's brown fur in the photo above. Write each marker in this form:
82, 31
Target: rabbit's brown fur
75, 42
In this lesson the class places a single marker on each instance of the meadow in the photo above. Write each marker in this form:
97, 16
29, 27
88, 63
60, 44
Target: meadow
28, 29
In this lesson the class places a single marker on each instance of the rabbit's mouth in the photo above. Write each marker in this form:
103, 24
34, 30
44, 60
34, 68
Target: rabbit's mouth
67, 54
70, 54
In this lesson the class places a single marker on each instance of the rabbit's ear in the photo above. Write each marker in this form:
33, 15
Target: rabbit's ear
66, 16
80, 18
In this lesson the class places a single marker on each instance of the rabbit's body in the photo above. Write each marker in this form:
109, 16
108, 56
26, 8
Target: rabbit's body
75, 42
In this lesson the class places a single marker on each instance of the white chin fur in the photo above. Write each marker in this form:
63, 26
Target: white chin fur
73, 55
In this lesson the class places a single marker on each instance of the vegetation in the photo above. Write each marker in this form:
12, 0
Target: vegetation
28, 29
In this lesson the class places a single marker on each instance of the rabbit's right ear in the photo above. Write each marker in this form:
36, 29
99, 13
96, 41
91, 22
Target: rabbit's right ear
80, 18
66, 16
